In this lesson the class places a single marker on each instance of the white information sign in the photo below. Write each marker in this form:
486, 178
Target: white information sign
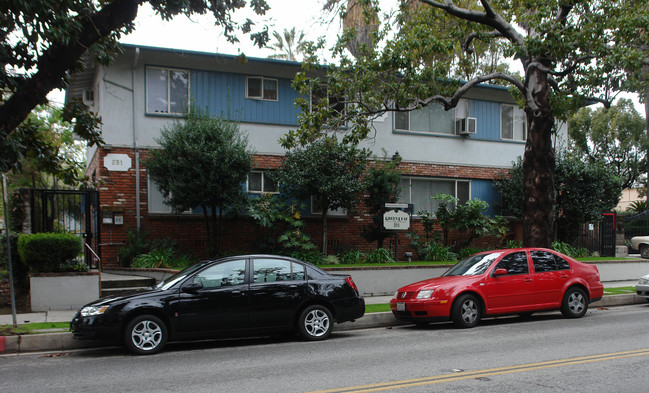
117, 162
396, 220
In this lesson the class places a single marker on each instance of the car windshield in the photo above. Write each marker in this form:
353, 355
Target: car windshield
171, 280
473, 265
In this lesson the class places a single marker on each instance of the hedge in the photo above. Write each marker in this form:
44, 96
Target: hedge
47, 252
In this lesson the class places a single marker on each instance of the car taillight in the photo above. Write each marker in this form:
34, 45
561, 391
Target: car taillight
351, 283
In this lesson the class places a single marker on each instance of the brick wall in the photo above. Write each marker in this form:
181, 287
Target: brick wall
117, 195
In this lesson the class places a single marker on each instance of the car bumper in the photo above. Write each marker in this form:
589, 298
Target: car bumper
421, 310
94, 328
642, 290
349, 309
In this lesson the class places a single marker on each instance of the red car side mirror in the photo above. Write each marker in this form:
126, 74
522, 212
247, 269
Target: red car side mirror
500, 272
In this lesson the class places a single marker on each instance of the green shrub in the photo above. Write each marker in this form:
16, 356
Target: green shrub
331, 260
436, 252
514, 244
48, 252
468, 251
380, 255
162, 257
313, 257
567, 249
136, 244
352, 257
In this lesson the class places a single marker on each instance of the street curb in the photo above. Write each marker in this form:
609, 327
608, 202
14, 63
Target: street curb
64, 341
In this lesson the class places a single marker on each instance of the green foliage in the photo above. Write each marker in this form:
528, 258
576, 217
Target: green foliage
638, 206
381, 187
19, 269
380, 255
468, 251
331, 260
327, 171
514, 244
582, 193
615, 137
43, 41
203, 161
351, 257
567, 249
136, 244
162, 257
313, 257
288, 44
468, 219
48, 252
434, 251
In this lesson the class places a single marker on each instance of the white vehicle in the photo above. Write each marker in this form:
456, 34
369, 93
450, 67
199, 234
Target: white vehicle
642, 287
641, 243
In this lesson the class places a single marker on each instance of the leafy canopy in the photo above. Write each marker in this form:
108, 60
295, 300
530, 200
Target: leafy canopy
42, 41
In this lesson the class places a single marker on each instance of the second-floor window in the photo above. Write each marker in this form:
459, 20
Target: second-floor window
419, 191
261, 182
432, 119
260, 88
513, 123
167, 90
321, 94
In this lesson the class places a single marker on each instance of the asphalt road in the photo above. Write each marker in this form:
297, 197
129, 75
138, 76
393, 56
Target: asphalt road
606, 351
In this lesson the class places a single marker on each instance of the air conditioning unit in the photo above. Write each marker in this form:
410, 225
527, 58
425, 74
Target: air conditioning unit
466, 126
89, 97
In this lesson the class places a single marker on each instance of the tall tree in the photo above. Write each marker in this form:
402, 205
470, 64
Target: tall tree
288, 44
41, 41
329, 172
571, 53
614, 137
582, 193
203, 161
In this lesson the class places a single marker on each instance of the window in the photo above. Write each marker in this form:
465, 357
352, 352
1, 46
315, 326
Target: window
432, 118
321, 93
515, 263
156, 201
513, 123
274, 270
167, 90
224, 274
419, 191
317, 210
260, 88
545, 261
262, 182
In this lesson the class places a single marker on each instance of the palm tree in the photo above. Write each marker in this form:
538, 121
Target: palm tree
287, 45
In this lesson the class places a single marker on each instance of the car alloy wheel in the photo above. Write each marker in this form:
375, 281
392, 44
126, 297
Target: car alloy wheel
575, 303
465, 311
146, 334
315, 323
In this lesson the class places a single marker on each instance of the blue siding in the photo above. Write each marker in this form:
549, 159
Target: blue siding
484, 190
224, 94
488, 115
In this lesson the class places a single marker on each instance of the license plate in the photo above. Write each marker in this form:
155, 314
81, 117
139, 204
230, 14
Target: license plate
401, 306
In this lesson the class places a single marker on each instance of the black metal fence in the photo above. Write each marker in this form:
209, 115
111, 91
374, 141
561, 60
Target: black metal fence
599, 236
69, 211
635, 225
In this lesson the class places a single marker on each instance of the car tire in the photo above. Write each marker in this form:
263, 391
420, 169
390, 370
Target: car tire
644, 251
575, 303
465, 311
145, 335
315, 323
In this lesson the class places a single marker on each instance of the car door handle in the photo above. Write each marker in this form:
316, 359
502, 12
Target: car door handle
236, 293
564, 276
292, 287
528, 280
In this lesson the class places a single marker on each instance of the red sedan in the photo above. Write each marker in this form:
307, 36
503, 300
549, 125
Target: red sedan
515, 281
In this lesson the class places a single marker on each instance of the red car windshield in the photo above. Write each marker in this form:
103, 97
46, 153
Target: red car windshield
473, 265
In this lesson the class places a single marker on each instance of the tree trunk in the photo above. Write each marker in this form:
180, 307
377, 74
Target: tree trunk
538, 166
324, 231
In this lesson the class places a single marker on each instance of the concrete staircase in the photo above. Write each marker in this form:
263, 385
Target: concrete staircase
112, 284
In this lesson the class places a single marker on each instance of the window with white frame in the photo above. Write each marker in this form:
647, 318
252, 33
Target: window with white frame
513, 123
432, 119
167, 90
261, 182
260, 88
156, 200
419, 191
321, 93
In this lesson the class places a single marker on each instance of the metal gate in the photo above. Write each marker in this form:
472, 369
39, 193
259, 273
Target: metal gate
607, 235
68, 211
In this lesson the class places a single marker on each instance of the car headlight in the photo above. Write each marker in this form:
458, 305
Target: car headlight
425, 294
643, 281
90, 311
395, 294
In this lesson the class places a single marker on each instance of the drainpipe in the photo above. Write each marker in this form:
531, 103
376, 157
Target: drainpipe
135, 148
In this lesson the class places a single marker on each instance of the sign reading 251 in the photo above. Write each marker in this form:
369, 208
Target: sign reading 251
117, 162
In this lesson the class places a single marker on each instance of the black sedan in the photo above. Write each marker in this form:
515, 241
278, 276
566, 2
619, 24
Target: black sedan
249, 294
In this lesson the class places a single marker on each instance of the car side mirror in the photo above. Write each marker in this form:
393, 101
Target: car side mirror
500, 272
192, 287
